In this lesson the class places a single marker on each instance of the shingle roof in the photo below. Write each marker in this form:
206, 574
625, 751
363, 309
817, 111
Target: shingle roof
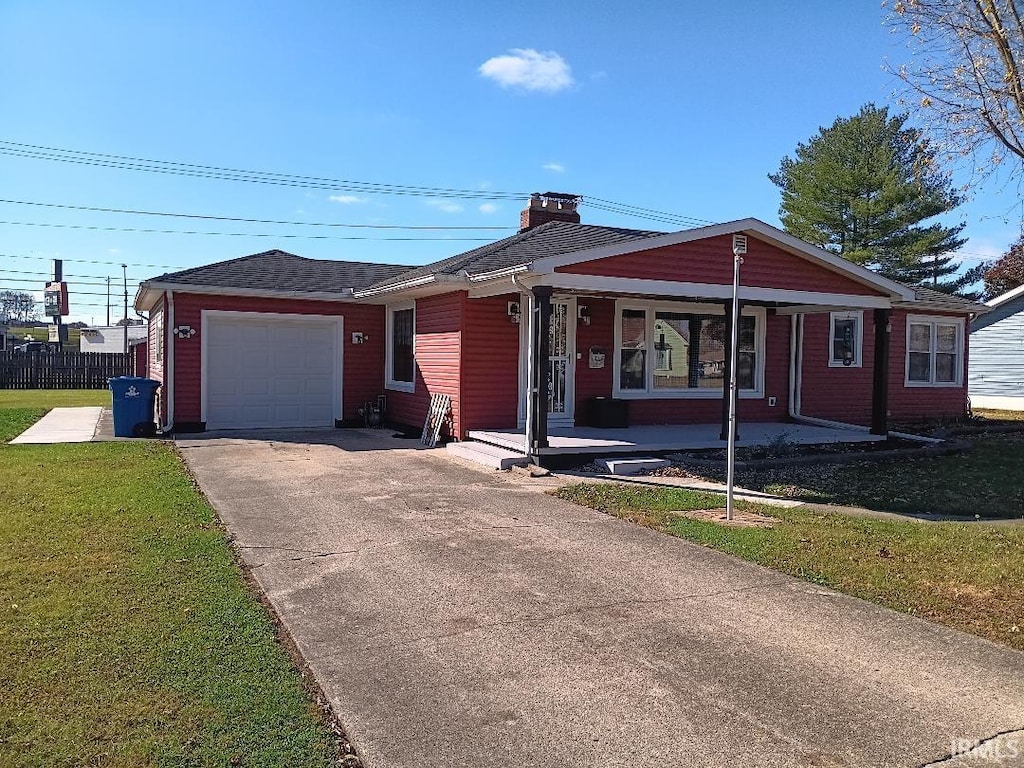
282, 271
551, 239
929, 297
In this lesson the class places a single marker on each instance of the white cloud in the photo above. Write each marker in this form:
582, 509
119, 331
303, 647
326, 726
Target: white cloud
529, 70
346, 199
447, 206
488, 208
556, 167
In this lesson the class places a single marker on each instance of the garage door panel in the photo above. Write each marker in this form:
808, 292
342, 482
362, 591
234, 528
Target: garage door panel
267, 372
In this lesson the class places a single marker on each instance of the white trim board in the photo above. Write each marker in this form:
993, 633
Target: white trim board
683, 290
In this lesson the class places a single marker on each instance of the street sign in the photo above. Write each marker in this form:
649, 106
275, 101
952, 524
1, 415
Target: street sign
55, 299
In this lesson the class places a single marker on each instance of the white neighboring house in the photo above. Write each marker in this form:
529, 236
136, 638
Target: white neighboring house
996, 364
110, 338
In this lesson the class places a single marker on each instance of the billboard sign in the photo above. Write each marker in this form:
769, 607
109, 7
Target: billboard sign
55, 299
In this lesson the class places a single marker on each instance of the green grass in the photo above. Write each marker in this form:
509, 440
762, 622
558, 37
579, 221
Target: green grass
987, 481
128, 636
52, 398
21, 408
965, 575
43, 334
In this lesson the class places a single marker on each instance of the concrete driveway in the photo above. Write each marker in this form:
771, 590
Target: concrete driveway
458, 617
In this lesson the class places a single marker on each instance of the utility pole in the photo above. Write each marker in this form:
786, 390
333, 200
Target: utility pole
124, 270
58, 276
108, 301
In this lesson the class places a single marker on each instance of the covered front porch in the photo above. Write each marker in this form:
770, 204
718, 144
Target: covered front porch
668, 437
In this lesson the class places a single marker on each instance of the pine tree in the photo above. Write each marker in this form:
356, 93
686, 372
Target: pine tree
863, 189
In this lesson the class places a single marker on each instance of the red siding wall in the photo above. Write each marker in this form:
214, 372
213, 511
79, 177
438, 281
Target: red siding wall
844, 394
711, 261
438, 350
363, 363
490, 365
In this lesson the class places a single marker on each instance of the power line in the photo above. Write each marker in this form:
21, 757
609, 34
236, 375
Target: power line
210, 217
88, 261
94, 228
123, 162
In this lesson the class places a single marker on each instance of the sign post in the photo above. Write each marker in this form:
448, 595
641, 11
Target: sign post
739, 247
55, 302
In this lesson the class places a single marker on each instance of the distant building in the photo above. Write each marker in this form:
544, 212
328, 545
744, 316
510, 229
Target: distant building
109, 338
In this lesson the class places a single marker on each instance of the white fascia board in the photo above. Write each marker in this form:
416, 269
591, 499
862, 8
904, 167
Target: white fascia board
625, 285
426, 282
216, 290
497, 274
755, 227
1003, 298
146, 297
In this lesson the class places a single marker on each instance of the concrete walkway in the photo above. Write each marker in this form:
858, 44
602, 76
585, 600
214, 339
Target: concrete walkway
63, 425
456, 617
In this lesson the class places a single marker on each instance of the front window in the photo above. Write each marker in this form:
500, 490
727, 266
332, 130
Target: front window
633, 349
846, 335
401, 362
934, 351
681, 352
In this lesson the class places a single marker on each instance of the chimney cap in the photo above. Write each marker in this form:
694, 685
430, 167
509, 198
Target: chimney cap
564, 196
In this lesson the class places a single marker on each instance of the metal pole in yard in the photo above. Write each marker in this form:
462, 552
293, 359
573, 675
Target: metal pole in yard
739, 247
124, 269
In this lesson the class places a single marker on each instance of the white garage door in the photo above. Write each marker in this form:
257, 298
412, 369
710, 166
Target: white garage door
271, 371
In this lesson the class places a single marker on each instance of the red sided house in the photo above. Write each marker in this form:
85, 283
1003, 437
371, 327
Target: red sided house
561, 326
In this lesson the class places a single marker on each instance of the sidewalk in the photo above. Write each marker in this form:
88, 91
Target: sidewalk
62, 425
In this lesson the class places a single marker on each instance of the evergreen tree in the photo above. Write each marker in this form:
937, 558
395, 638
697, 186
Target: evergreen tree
864, 189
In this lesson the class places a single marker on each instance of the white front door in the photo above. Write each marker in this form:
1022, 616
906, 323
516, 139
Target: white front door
562, 362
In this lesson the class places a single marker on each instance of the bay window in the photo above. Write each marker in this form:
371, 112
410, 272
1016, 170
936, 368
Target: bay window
680, 351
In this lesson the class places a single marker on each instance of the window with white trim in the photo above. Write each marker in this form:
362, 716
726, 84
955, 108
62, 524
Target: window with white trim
401, 358
679, 351
846, 339
934, 351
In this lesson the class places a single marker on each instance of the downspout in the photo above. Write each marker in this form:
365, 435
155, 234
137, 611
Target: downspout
169, 363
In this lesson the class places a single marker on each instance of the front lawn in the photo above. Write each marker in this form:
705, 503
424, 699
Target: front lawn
128, 636
21, 408
53, 398
987, 481
968, 576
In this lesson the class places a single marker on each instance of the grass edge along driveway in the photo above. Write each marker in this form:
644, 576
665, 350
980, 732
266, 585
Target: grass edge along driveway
128, 635
969, 576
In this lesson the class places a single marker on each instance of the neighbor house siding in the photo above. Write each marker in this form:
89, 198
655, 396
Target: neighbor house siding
490, 364
438, 350
363, 364
997, 353
711, 261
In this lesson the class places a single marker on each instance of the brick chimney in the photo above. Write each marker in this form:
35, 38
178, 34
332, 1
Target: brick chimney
549, 206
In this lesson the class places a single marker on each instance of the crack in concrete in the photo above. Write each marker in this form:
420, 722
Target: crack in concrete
980, 748
574, 611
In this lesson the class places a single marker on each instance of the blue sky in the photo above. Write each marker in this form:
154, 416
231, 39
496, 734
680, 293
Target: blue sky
682, 107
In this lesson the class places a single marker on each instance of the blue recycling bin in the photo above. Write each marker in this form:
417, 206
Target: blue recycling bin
133, 398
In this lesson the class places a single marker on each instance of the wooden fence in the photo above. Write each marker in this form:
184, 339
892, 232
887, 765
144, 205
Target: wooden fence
61, 370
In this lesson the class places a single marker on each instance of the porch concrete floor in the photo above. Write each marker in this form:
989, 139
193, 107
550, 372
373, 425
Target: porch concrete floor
571, 440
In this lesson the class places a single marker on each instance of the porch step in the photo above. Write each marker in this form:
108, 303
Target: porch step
632, 465
491, 456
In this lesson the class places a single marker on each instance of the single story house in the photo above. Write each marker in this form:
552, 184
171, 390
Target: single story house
110, 338
996, 374
558, 325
